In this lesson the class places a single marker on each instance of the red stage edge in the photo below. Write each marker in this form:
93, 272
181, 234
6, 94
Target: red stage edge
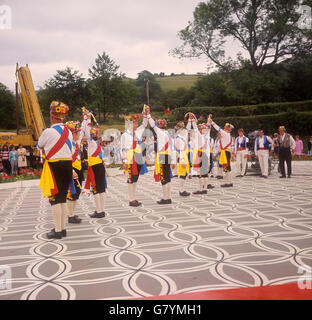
289, 291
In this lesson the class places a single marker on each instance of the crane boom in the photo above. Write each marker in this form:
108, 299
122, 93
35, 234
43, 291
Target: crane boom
31, 109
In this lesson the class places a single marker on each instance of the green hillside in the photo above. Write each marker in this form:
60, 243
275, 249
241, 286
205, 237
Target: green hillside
174, 82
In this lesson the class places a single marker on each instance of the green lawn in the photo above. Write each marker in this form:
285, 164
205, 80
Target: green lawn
175, 82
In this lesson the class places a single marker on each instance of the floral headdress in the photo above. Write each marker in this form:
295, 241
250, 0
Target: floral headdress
59, 109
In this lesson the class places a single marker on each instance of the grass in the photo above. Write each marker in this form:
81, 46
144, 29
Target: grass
176, 82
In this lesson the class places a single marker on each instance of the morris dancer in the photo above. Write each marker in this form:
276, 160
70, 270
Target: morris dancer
181, 144
263, 148
131, 153
78, 177
56, 177
200, 161
209, 142
241, 152
225, 151
96, 179
165, 156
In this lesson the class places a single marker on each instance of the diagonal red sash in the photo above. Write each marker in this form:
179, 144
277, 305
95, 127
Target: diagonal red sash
97, 151
59, 144
75, 155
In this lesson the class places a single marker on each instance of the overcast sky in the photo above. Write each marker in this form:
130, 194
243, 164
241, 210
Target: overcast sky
52, 34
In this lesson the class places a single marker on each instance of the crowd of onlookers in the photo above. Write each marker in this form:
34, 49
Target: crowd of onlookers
15, 158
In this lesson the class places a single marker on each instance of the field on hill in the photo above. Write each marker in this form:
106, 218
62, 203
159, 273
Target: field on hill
174, 82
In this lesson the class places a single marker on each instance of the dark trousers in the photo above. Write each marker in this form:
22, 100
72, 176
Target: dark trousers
62, 171
284, 155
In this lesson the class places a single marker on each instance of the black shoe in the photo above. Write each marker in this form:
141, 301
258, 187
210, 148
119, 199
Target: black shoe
135, 203
97, 215
184, 194
162, 201
227, 185
289, 177
204, 192
265, 177
54, 235
197, 192
219, 177
210, 186
239, 176
64, 233
282, 177
74, 219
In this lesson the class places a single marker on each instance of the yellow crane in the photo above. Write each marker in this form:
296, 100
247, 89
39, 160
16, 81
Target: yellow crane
33, 117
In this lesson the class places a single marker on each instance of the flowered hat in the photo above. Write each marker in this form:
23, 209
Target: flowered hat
187, 116
132, 117
179, 125
230, 126
73, 126
59, 109
161, 123
202, 126
94, 132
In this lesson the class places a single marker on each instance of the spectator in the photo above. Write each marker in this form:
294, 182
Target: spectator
22, 160
299, 147
275, 144
310, 147
5, 159
13, 157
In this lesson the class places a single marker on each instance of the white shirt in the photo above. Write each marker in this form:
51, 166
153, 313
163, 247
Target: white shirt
49, 138
261, 143
240, 140
92, 144
163, 137
127, 139
226, 138
181, 143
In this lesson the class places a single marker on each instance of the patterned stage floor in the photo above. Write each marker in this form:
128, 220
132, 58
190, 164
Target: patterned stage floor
257, 233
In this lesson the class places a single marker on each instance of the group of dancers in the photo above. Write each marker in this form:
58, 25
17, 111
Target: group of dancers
188, 152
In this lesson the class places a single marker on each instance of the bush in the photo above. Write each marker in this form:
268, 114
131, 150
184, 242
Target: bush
240, 111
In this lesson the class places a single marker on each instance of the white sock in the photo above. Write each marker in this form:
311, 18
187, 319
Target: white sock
164, 189
134, 190
97, 200
228, 177
103, 198
205, 183
74, 205
201, 184
168, 191
182, 185
131, 192
70, 207
57, 217
64, 215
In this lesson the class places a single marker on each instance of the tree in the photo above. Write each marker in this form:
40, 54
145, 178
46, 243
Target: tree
66, 85
266, 30
105, 84
7, 108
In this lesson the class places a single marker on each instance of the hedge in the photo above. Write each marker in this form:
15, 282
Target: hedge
253, 110
295, 122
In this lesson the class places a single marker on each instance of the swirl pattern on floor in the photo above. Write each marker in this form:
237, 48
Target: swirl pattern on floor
257, 233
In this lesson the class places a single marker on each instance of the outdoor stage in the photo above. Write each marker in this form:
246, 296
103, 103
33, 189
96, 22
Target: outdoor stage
256, 234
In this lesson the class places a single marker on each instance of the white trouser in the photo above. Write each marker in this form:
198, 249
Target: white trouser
241, 162
263, 156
